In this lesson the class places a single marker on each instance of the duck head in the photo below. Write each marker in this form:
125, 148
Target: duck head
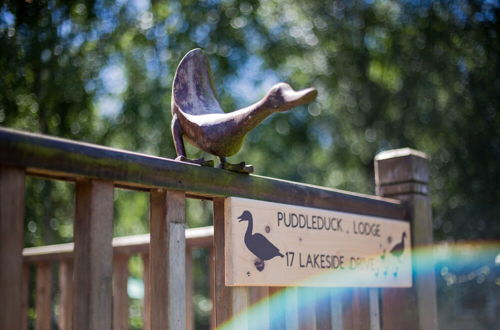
282, 97
245, 216
404, 235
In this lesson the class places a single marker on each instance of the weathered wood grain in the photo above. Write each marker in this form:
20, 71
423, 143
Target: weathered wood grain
25, 297
323, 308
59, 158
264, 247
43, 303
228, 301
195, 238
146, 311
93, 256
374, 309
223, 294
292, 306
277, 308
347, 312
167, 260
239, 302
307, 309
336, 308
211, 283
66, 295
360, 309
189, 289
11, 246
120, 296
404, 174
259, 296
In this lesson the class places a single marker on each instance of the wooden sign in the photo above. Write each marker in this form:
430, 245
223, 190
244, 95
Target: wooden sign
271, 244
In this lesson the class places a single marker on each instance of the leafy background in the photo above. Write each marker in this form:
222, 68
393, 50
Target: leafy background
390, 74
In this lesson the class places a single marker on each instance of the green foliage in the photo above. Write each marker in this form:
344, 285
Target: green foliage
390, 74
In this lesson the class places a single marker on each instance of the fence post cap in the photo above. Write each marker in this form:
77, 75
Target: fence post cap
403, 152
401, 171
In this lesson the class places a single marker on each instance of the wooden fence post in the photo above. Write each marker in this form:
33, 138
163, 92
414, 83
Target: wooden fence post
93, 256
11, 247
228, 301
167, 267
404, 174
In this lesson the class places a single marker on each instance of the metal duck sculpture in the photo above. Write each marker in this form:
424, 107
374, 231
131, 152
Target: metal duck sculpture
198, 117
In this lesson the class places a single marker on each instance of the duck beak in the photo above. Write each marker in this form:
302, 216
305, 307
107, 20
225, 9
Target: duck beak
241, 218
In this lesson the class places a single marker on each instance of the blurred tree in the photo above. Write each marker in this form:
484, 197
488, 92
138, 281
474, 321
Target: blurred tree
390, 74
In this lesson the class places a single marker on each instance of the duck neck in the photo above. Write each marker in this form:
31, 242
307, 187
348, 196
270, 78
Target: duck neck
250, 117
248, 233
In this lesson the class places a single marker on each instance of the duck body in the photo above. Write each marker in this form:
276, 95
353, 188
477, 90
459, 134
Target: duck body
214, 133
198, 117
259, 245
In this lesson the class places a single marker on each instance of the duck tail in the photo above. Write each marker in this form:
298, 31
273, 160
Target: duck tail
280, 254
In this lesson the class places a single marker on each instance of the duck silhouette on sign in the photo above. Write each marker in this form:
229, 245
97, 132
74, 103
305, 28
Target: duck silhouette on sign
259, 245
398, 249
198, 117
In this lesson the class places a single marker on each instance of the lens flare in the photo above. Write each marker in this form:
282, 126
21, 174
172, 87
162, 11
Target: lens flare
450, 262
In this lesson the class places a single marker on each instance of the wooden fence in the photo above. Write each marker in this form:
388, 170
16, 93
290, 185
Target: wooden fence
93, 270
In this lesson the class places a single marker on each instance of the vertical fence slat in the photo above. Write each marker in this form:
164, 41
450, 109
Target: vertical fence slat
404, 174
277, 308
260, 295
43, 303
11, 246
93, 256
240, 298
347, 312
360, 309
66, 295
336, 308
292, 308
120, 296
25, 297
211, 284
307, 309
374, 309
223, 307
323, 309
189, 289
167, 260
146, 312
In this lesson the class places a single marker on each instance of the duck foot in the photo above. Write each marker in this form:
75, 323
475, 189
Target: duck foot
199, 161
239, 168
259, 264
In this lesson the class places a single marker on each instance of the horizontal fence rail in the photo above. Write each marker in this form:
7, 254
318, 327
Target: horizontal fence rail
61, 255
65, 159
195, 238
